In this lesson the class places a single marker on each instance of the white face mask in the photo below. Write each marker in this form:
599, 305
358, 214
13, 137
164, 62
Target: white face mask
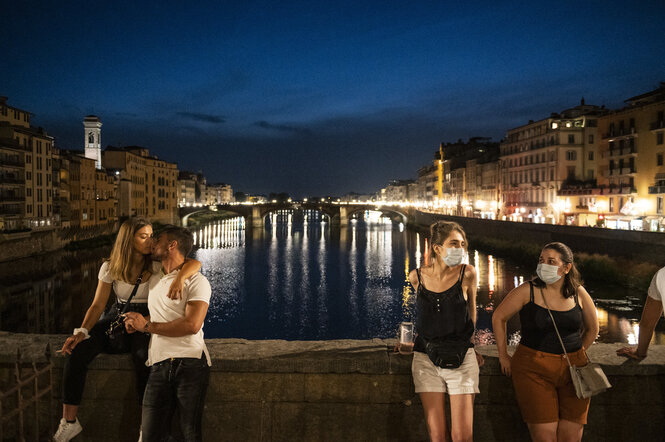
454, 256
548, 273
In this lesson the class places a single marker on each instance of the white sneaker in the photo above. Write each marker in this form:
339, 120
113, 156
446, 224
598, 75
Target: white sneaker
67, 431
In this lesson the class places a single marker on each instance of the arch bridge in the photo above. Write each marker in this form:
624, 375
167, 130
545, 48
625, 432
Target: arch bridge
337, 213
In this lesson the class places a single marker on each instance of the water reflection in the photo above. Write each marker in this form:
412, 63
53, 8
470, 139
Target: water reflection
308, 280
299, 278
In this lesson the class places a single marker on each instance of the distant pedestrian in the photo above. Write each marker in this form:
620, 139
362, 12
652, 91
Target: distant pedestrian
543, 386
444, 359
653, 308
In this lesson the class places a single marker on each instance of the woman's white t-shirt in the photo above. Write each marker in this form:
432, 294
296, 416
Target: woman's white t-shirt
123, 289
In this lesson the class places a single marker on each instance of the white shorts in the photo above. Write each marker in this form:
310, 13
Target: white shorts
428, 378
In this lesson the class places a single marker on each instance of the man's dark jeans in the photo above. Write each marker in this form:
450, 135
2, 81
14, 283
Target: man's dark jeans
176, 390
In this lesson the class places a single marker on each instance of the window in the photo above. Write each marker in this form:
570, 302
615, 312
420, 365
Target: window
591, 156
28, 176
551, 174
659, 205
571, 172
552, 156
28, 192
571, 155
611, 207
659, 138
659, 159
571, 139
589, 174
590, 138
91, 138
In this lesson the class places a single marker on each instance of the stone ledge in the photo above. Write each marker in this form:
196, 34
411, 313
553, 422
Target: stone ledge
374, 356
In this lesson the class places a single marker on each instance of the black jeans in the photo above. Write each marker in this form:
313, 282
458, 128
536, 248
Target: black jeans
175, 392
76, 364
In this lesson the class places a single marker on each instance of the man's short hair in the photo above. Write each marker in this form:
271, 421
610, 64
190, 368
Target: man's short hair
182, 236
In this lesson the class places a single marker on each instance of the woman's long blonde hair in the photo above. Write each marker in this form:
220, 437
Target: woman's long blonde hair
121, 254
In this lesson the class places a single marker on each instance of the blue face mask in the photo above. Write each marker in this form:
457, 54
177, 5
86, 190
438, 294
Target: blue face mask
454, 256
548, 273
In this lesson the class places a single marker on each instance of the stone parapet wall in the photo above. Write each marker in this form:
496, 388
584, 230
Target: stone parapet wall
343, 390
639, 245
25, 244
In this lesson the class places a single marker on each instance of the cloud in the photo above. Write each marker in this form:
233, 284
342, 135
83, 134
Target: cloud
205, 118
281, 127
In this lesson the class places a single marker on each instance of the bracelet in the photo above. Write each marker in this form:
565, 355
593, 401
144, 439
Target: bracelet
81, 330
146, 326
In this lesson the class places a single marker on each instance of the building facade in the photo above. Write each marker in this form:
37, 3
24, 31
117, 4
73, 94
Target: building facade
26, 186
539, 158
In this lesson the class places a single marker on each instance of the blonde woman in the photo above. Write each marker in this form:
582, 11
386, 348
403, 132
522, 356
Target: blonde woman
444, 360
130, 258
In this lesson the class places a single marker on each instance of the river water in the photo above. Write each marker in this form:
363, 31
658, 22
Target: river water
297, 279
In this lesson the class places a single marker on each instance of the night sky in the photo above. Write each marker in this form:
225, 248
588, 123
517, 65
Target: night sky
316, 99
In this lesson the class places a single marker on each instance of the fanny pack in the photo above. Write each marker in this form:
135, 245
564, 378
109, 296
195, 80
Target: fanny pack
446, 353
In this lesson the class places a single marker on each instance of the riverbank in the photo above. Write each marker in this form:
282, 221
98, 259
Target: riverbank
339, 390
623, 258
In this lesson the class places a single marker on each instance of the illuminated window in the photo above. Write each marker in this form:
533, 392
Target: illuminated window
555, 125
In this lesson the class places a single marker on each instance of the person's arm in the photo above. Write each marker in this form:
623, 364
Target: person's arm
413, 279
509, 306
189, 268
471, 290
651, 312
190, 324
589, 317
91, 316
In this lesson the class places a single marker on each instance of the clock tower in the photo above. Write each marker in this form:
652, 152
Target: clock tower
93, 139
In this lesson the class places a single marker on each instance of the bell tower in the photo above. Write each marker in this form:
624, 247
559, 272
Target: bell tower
92, 127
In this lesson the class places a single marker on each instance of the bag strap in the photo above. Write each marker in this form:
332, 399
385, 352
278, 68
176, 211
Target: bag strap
556, 329
461, 273
136, 288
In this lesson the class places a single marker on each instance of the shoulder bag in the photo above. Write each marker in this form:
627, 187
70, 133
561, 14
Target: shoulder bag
589, 379
116, 332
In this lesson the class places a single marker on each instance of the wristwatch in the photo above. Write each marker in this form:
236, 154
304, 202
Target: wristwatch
81, 330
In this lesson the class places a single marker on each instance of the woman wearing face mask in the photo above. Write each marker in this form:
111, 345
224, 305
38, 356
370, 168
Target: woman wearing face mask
543, 386
444, 359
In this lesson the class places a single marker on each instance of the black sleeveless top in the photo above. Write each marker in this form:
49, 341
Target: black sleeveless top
538, 333
442, 315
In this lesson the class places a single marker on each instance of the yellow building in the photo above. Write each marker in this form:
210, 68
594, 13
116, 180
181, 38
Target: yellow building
632, 170
147, 185
26, 187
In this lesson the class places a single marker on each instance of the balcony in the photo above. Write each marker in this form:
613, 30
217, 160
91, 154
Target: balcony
618, 134
614, 153
9, 197
11, 180
656, 189
10, 210
621, 190
657, 125
8, 161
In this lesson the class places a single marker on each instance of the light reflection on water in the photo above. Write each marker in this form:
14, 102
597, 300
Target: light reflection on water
302, 279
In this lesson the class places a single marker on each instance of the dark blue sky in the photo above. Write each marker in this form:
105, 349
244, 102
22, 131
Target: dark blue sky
318, 99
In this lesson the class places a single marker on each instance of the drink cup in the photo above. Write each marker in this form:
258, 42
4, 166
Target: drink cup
405, 346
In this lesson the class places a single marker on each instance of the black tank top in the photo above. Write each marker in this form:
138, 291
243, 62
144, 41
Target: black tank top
538, 333
442, 315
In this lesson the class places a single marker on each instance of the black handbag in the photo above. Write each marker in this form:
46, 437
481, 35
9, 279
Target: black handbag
446, 353
116, 332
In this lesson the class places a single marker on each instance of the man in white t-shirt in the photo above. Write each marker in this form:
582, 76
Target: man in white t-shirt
177, 356
653, 307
